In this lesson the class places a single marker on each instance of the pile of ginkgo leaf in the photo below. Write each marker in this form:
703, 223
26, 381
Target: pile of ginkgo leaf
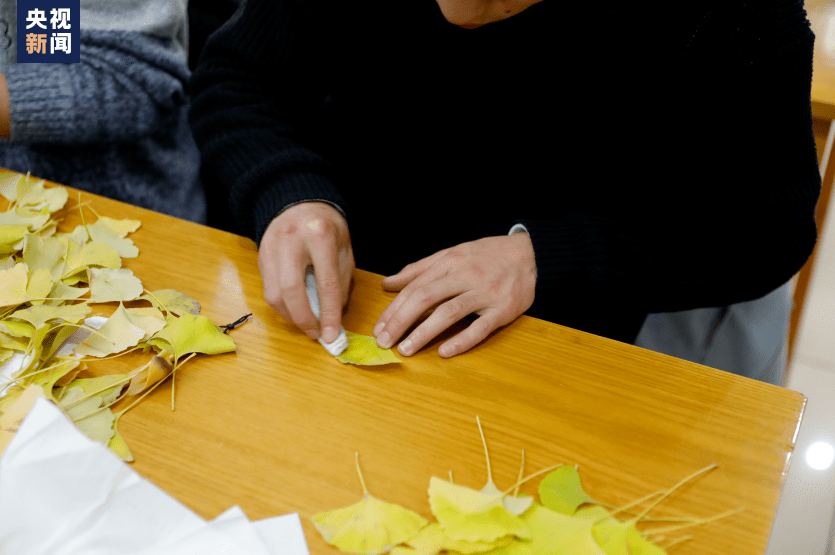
566, 521
50, 284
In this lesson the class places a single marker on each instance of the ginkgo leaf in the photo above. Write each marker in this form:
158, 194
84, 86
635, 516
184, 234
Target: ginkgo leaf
39, 315
153, 371
192, 334
562, 492
516, 505
31, 221
13, 284
12, 343
431, 540
467, 514
40, 284
173, 302
107, 285
148, 318
82, 256
17, 329
114, 336
118, 445
15, 411
88, 414
368, 527
109, 237
45, 253
12, 234
62, 293
363, 349
120, 227
31, 193
8, 184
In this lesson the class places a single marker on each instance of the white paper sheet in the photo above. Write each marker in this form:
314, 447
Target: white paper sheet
64, 494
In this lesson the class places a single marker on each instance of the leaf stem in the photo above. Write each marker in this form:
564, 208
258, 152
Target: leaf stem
359, 472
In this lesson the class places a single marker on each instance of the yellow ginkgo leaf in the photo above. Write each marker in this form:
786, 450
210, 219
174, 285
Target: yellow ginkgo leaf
192, 334
150, 373
102, 234
118, 444
120, 227
431, 540
114, 336
173, 302
62, 293
39, 315
87, 414
467, 514
368, 527
40, 284
14, 411
8, 184
13, 284
45, 253
119, 284
82, 256
363, 349
32, 194
11, 235
16, 329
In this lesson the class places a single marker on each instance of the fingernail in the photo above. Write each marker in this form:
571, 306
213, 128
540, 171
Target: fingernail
378, 328
446, 351
383, 340
329, 334
405, 348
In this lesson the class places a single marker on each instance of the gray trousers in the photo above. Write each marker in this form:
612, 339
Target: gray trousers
749, 339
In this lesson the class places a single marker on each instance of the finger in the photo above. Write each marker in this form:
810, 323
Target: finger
475, 333
432, 272
441, 319
294, 294
329, 287
416, 301
409, 272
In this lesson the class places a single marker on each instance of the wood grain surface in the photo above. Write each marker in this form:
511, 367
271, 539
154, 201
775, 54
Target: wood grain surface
274, 427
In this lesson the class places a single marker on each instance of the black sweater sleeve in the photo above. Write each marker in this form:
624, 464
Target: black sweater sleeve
256, 91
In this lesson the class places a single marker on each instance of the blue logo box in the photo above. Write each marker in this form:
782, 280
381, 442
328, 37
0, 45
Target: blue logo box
48, 31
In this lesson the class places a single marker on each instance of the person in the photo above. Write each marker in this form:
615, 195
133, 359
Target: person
648, 158
116, 123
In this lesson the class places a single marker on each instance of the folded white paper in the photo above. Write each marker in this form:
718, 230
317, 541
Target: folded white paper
62, 493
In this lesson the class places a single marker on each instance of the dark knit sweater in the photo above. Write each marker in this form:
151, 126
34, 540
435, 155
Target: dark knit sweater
661, 158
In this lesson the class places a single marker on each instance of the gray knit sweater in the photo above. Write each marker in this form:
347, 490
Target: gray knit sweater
114, 124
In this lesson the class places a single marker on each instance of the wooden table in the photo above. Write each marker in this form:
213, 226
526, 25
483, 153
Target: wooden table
274, 426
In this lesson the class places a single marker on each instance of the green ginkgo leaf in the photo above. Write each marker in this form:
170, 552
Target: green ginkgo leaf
562, 492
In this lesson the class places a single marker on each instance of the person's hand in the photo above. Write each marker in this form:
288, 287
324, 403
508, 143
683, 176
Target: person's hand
494, 277
308, 234
475, 13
